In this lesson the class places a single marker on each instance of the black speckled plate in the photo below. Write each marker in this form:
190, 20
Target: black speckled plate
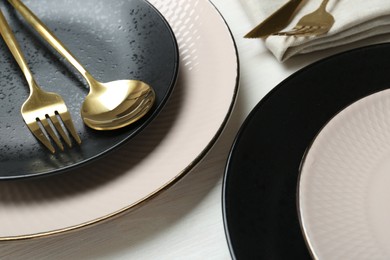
125, 39
260, 183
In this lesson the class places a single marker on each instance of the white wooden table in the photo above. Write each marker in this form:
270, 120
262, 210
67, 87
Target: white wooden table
184, 222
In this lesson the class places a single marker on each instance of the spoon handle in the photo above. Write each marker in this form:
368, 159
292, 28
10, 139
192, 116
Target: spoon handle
42, 29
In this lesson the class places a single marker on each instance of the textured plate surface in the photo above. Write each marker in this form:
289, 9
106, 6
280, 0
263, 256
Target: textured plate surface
261, 177
344, 184
170, 146
127, 39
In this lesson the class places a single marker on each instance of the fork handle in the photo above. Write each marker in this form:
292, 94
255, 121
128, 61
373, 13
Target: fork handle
42, 29
323, 4
15, 49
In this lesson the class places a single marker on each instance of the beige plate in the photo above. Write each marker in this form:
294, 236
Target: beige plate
344, 185
173, 143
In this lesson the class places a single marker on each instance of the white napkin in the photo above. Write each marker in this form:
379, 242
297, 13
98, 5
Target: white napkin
355, 20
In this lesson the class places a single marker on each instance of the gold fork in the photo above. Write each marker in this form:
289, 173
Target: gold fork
313, 24
42, 110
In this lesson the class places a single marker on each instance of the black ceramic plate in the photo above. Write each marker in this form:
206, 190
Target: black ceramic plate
125, 39
260, 183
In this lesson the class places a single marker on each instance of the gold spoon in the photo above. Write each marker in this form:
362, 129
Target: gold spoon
107, 106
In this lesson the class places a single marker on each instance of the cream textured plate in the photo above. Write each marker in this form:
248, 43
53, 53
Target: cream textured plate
169, 147
344, 184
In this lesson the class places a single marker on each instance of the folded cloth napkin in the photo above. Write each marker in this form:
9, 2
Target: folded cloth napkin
355, 20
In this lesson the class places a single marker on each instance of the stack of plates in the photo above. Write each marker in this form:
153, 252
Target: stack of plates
341, 211
175, 46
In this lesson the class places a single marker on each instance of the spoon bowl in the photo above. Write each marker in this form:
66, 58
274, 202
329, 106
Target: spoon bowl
116, 104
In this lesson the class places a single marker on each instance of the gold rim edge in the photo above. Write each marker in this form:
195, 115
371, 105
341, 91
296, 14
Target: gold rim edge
301, 220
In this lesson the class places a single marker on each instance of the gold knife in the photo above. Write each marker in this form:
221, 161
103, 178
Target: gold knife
276, 22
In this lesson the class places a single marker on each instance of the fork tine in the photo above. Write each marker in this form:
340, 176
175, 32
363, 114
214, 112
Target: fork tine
51, 133
312, 31
301, 32
298, 30
65, 116
37, 132
59, 129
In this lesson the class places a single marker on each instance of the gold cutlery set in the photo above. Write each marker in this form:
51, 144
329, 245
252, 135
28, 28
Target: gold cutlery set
313, 24
117, 104
108, 106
